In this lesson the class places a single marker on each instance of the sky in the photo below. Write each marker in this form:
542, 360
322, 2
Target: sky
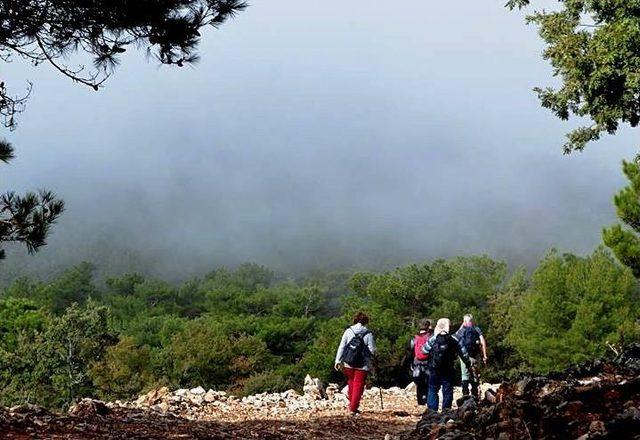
316, 134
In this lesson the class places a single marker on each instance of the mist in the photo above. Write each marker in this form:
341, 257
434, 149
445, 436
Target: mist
315, 135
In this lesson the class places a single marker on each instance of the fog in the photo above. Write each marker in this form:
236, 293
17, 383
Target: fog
315, 135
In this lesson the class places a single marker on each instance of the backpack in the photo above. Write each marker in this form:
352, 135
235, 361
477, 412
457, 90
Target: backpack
418, 341
471, 341
443, 352
356, 352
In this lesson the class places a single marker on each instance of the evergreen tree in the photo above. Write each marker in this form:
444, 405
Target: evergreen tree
50, 31
593, 48
574, 306
26, 219
625, 242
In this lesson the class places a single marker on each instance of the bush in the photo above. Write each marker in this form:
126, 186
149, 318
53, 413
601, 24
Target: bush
125, 371
267, 382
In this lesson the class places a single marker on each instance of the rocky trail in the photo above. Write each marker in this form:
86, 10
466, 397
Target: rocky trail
594, 400
317, 413
185, 414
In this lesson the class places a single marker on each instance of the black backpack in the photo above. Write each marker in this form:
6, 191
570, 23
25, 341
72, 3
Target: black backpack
443, 352
471, 341
356, 351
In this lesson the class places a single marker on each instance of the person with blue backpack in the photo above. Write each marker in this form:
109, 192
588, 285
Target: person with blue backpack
443, 349
355, 358
475, 344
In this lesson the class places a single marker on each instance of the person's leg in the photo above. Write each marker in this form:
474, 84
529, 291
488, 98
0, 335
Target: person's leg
348, 372
473, 378
465, 378
359, 379
434, 388
422, 388
447, 390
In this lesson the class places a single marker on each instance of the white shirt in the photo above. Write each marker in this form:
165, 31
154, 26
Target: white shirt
350, 334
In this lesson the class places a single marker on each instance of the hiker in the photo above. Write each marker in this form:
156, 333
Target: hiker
355, 358
442, 349
420, 364
471, 337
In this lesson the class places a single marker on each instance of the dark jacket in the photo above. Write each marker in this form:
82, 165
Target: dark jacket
455, 348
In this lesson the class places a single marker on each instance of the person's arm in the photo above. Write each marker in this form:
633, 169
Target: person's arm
483, 344
338, 363
371, 343
426, 348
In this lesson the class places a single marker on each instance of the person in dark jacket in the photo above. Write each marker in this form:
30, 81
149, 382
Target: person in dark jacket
420, 363
473, 340
443, 349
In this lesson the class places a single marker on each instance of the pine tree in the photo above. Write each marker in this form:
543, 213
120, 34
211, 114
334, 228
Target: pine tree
51, 31
26, 219
625, 242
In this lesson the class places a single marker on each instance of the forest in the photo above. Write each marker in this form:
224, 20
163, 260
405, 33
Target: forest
250, 329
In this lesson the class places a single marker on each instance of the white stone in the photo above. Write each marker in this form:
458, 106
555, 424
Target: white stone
197, 390
411, 388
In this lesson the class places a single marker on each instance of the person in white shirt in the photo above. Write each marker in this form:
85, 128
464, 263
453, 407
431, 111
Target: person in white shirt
355, 358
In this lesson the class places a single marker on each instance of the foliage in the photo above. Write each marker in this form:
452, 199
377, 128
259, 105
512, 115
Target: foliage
573, 307
250, 330
593, 48
48, 361
50, 31
68, 347
25, 219
625, 243
275, 381
503, 306
124, 370
206, 354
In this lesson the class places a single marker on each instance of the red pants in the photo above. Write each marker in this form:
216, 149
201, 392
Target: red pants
355, 382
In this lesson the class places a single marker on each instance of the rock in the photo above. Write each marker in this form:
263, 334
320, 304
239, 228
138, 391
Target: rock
27, 408
411, 388
197, 390
332, 390
313, 387
597, 427
522, 386
490, 396
155, 396
88, 408
373, 391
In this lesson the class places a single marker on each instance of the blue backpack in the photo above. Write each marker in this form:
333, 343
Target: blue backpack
471, 341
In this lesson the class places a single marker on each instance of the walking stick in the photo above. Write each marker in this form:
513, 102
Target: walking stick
375, 374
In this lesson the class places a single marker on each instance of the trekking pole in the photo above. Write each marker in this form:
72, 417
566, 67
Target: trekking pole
376, 381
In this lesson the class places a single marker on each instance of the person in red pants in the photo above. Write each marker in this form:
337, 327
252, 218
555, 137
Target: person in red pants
355, 358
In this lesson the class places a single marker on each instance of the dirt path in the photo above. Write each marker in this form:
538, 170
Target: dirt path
137, 424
